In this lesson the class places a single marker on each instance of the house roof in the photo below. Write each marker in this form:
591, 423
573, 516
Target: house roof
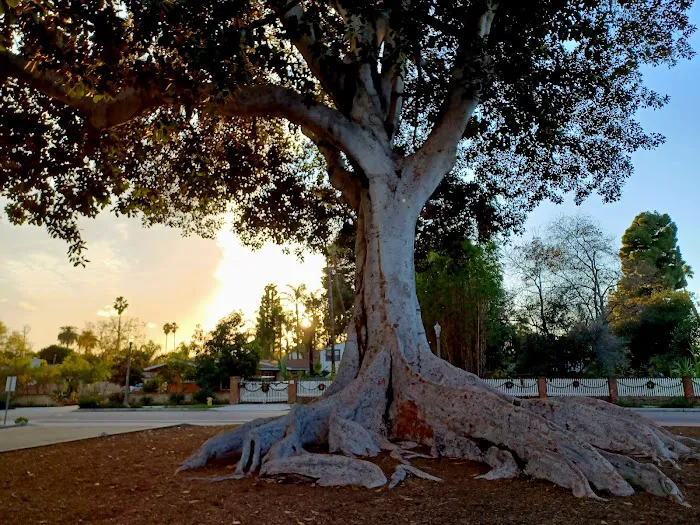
338, 346
153, 367
270, 366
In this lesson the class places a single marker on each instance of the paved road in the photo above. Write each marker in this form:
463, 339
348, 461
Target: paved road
60, 424
72, 416
672, 417
56, 425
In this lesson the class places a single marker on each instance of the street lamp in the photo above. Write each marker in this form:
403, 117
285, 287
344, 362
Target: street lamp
128, 373
438, 328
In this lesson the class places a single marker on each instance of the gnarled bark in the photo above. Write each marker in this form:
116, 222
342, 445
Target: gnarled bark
391, 387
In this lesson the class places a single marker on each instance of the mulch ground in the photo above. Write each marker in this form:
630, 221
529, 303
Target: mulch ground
129, 479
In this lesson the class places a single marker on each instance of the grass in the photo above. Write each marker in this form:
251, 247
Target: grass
674, 402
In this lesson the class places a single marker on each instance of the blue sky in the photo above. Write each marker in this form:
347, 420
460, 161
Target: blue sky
168, 278
666, 179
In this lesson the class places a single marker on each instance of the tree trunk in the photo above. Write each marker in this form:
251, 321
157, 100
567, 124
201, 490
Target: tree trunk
390, 386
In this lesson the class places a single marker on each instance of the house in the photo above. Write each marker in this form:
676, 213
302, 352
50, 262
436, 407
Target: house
186, 386
268, 369
325, 356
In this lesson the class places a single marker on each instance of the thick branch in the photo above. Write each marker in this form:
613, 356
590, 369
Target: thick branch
325, 123
438, 154
329, 70
107, 113
341, 178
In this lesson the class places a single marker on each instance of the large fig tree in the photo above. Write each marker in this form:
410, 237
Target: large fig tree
178, 111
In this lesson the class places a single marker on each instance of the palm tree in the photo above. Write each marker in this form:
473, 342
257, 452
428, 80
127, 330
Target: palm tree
87, 340
120, 305
296, 295
174, 327
167, 328
68, 335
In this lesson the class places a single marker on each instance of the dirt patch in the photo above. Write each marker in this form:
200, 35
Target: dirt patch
129, 479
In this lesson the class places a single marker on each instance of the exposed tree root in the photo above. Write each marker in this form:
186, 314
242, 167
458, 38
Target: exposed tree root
402, 471
584, 445
328, 470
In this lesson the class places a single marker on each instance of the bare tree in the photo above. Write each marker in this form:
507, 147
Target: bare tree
584, 263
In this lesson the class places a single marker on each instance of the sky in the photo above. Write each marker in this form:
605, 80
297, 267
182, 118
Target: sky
168, 278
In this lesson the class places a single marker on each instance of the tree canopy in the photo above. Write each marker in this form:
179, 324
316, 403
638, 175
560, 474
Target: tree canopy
651, 258
174, 110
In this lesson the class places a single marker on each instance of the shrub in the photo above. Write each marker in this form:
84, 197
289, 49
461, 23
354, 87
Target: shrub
3, 400
21, 421
676, 402
116, 398
89, 402
146, 401
201, 396
177, 398
153, 385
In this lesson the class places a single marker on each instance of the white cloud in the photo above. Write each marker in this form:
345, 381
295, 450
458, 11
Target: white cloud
24, 305
122, 230
107, 311
151, 325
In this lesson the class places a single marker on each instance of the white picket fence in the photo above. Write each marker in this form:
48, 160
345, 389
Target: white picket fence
650, 387
595, 387
277, 392
583, 387
263, 391
312, 388
515, 387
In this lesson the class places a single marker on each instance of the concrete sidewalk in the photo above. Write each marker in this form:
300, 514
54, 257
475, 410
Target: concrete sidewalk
51, 425
30, 436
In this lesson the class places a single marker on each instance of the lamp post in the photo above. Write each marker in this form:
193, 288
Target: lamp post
437, 336
128, 373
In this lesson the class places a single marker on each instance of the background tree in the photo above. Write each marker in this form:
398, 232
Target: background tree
54, 354
650, 256
167, 328
226, 353
111, 329
74, 370
314, 334
180, 112
543, 305
120, 305
295, 296
87, 341
463, 292
68, 335
3, 333
649, 304
16, 344
584, 264
140, 358
174, 328
270, 321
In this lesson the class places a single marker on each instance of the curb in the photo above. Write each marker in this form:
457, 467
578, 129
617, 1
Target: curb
143, 409
101, 436
13, 425
656, 409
